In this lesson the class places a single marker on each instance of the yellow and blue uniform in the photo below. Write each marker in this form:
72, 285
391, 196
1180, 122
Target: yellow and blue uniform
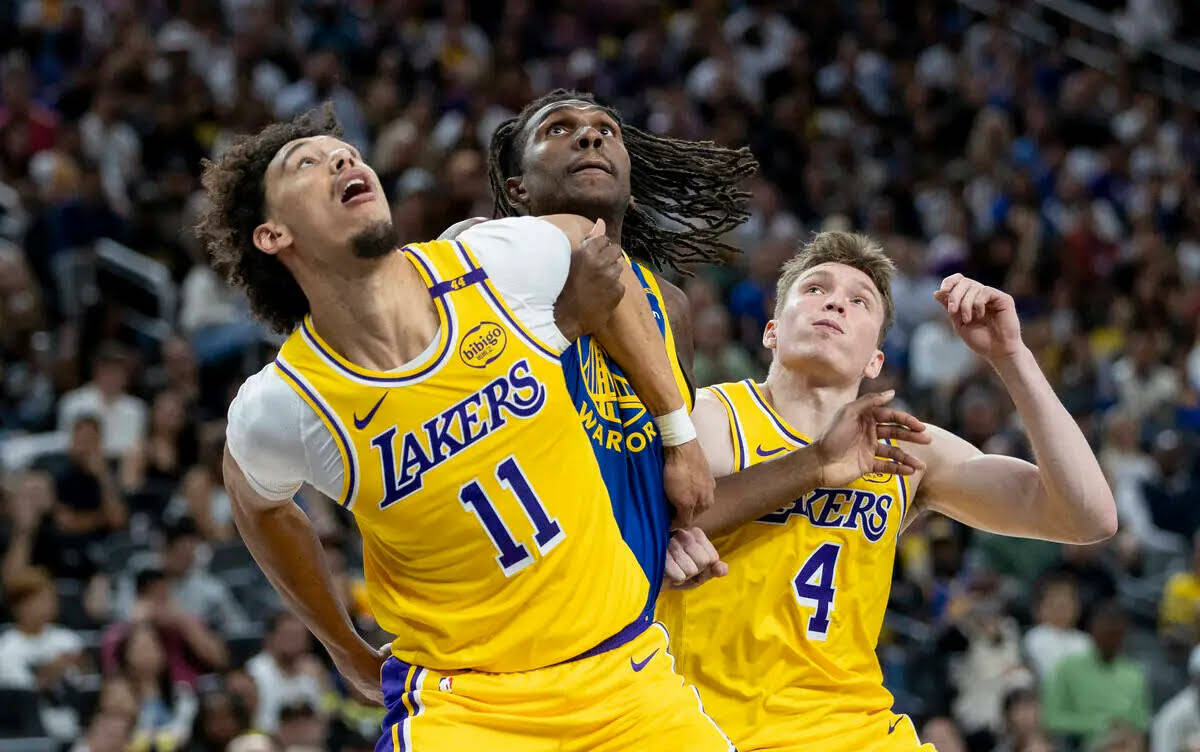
625, 439
490, 547
783, 648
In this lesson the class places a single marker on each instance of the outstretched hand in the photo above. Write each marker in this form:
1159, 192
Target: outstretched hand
850, 446
687, 481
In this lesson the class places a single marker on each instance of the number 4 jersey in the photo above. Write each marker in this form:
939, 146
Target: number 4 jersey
489, 540
783, 648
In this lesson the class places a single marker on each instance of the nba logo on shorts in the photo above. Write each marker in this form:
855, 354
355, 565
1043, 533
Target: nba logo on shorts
445, 684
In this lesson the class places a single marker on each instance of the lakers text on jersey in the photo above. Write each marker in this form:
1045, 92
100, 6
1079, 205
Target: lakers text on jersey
483, 520
783, 648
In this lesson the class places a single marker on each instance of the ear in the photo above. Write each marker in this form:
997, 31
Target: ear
632, 203
769, 338
272, 238
516, 191
874, 365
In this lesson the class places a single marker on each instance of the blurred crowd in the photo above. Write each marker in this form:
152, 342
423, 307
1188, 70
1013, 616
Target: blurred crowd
132, 616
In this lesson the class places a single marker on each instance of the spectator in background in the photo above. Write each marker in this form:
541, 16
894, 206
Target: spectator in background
301, 727
166, 708
63, 525
321, 83
286, 671
1086, 694
1178, 722
943, 734
26, 126
1179, 611
1170, 493
152, 470
196, 591
1022, 721
122, 416
221, 719
989, 669
1144, 383
718, 359
190, 647
36, 654
1054, 636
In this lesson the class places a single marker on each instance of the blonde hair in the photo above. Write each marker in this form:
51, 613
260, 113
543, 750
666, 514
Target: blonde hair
851, 249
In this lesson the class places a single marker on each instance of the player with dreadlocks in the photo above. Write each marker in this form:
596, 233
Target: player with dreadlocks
668, 203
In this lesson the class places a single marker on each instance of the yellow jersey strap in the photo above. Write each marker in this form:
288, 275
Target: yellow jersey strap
445, 266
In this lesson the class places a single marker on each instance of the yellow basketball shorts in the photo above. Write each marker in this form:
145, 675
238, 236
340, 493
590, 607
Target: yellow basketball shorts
627, 698
838, 732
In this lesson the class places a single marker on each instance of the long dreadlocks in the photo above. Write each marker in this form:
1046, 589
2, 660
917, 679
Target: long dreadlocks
689, 183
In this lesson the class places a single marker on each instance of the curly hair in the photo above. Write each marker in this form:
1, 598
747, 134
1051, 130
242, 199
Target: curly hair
689, 183
236, 204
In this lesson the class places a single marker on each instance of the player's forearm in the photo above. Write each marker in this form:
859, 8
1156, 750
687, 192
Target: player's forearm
761, 489
286, 547
632, 339
1077, 498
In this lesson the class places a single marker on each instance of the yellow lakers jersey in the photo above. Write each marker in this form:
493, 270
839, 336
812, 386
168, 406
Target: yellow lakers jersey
489, 540
783, 648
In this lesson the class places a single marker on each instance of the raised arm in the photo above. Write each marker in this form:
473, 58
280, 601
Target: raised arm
283, 542
1065, 496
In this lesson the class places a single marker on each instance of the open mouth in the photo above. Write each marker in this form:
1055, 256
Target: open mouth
355, 188
829, 324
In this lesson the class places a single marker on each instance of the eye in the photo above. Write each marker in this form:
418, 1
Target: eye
813, 288
606, 131
306, 162
556, 130
859, 301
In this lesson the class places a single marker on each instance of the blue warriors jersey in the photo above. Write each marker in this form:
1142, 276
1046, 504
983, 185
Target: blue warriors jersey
489, 539
625, 438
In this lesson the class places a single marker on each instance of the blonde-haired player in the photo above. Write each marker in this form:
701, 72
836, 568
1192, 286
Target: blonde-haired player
783, 648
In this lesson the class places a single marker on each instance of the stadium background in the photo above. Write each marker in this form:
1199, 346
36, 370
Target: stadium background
1049, 148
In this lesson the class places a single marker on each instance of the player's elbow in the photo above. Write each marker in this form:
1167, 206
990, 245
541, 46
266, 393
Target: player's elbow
1099, 521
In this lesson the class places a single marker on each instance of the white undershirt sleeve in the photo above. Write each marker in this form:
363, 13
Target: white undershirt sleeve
264, 436
527, 260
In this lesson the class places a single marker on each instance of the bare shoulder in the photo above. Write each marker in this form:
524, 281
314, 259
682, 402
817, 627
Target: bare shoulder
712, 428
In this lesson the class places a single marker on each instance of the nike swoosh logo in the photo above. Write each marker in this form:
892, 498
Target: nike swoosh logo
895, 723
639, 665
361, 424
768, 452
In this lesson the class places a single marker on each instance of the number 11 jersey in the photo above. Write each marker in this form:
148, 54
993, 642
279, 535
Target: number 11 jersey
489, 540
782, 649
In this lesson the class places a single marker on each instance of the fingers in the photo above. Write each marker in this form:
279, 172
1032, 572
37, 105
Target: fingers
672, 571
597, 230
902, 433
893, 460
677, 551
692, 560
870, 401
967, 303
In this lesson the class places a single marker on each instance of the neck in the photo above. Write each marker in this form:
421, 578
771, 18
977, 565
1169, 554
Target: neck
377, 314
804, 402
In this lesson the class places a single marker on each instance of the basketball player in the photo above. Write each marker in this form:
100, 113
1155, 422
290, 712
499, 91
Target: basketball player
422, 389
566, 153
783, 649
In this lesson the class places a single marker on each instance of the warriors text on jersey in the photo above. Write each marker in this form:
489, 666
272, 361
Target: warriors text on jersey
489, 540
625, 438
783, 648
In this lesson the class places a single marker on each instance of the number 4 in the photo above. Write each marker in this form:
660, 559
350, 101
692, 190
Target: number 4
513, 556
814, 587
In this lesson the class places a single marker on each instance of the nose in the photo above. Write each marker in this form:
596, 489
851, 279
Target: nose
589, 138
341, 159
834, 304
